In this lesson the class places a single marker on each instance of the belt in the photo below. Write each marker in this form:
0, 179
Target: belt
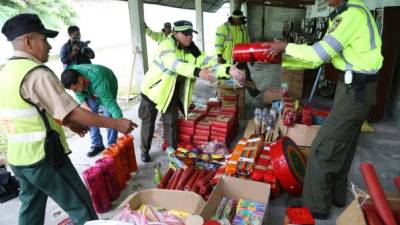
359, 77
359, 83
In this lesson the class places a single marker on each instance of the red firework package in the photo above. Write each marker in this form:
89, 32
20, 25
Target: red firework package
201, 132
184, 138
201, 138
205, 123
246, 52
199, 143
201, 110
289, 118
186, 130
230, 97
219, 130
300, 216
213, 103
219, 139
193, 118
221, 121
217, 134
214, 112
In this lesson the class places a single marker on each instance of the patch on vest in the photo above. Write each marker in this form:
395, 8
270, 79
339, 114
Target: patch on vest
335, 24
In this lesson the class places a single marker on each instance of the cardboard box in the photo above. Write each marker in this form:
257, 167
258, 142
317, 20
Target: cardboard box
294, 80
272, 94
301, 134
233, 187
183, 201
353, 214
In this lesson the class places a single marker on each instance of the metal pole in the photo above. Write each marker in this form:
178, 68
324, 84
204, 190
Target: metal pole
320, 72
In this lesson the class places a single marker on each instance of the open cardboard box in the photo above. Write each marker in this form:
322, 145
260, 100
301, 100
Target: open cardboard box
301, 134
353, 214
183, 201
237, 189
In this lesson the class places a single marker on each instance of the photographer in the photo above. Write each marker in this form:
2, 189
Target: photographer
75, 51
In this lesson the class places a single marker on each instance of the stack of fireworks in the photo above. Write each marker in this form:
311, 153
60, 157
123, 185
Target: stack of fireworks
108, 176
189, 179
187, 127
264, 172
243, 158
264, 120
189, 156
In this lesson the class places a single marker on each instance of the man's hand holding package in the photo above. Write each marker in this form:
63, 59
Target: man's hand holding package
206, 74
237, 75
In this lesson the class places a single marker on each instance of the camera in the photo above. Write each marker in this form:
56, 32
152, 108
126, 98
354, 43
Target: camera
83, 46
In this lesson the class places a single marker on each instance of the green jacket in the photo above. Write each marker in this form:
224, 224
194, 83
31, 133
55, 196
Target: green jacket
172, 63
352, 43
227, 36
103, 87
156, 36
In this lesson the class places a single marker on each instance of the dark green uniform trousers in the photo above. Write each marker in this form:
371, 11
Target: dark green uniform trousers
63, 185
148, 115
333, 149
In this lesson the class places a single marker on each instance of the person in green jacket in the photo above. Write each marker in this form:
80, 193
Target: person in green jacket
170, 80
233, 32
159, 36
96, 89
353, 45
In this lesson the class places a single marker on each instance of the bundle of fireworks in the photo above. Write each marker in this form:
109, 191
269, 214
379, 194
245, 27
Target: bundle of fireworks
298, 216
187, 126
264, 120
191, 156
189, 179
264, 172
243, 157
222, 129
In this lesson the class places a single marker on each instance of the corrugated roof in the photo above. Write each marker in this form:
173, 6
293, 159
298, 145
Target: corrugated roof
208, 5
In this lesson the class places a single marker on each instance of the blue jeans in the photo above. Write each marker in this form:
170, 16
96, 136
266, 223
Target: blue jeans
95, 135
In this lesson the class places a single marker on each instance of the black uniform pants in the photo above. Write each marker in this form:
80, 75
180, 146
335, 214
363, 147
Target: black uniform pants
333, 149
148, 115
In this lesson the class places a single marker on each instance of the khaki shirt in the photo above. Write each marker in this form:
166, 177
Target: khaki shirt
43, 88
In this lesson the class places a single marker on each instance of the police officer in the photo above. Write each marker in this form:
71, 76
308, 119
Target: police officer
233, 32
29, 86
353, 45
170, 80
159, 36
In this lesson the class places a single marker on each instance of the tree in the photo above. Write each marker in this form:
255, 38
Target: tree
54, 13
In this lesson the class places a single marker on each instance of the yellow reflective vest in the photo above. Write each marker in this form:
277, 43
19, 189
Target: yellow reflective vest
24, 127
156, 36
227, 36
352, 43
170, 64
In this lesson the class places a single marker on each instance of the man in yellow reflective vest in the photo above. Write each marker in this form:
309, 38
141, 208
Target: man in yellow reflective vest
353, 45
159, 36
31, 98
233, 32
170, 80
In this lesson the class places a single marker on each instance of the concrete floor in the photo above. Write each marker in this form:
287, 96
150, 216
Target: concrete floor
380, 148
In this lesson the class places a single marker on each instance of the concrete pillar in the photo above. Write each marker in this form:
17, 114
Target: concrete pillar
138, 36
244, 8
199, 24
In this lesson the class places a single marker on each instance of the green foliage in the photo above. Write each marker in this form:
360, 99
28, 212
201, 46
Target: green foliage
54, 13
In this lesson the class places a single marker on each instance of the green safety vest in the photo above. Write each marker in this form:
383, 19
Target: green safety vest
24, 127
227, 36
352, 43
171, 63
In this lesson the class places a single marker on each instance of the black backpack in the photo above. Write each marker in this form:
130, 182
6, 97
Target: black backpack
9, 185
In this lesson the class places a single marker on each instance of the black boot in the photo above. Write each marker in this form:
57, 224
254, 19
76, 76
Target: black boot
94, 151
145, 157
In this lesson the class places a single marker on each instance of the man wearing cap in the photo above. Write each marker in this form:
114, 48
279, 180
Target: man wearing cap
353, 45
31, 98
170, 80
227, 36
159, 36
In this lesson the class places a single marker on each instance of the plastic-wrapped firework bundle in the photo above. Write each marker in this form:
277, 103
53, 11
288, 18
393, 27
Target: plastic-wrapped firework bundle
273, 114
258, 120
265, 115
